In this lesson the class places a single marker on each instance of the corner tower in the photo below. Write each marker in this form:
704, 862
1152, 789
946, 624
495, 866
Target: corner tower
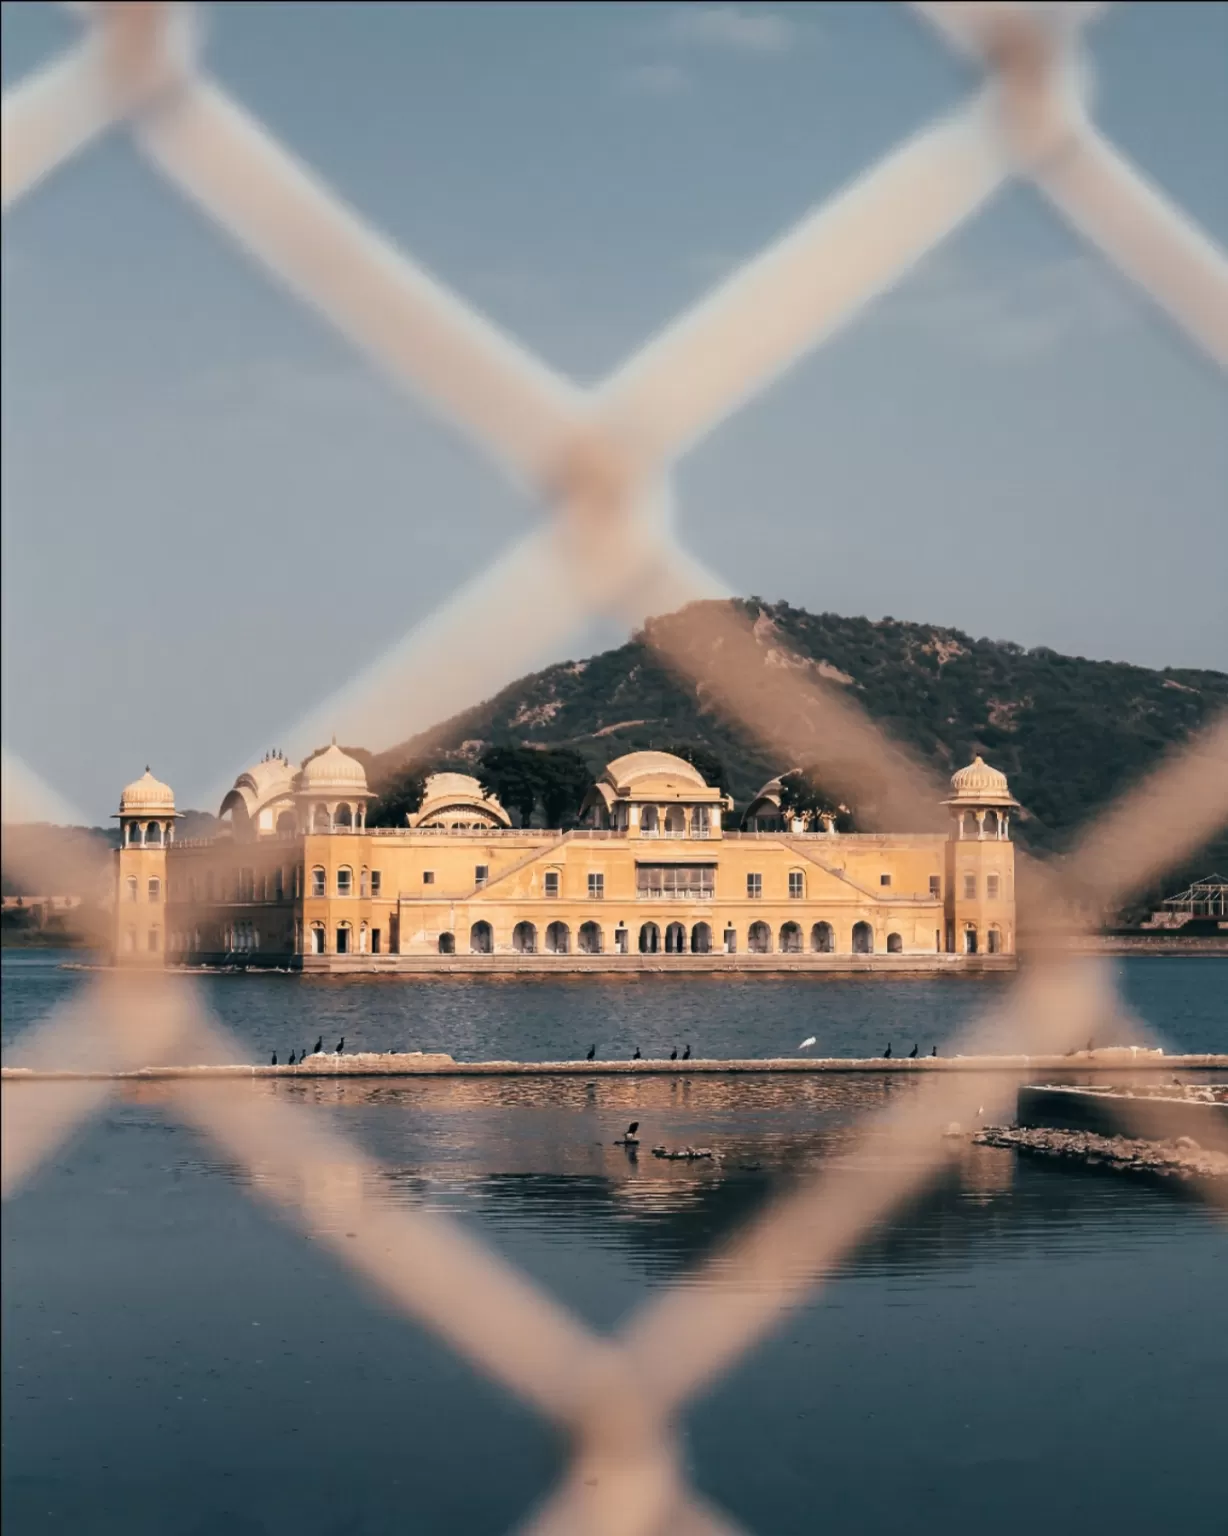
980, 864
146, 818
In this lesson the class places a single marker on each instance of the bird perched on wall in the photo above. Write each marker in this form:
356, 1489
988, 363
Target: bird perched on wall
686, 1055
340, 1045
319, 1046
637, 1056
290, 1063
934, 1052
673, 1055
592, 1051
273, 1063
887, 1052
912, 1053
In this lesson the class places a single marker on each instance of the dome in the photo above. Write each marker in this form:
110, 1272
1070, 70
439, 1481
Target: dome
979, 784
147, 794
331, 770
626, 772
458, 799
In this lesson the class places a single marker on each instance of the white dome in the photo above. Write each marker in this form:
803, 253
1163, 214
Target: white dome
147, 794
979, 784
333, 769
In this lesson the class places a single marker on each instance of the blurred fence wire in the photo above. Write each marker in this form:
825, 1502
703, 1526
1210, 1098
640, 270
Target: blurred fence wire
600, 461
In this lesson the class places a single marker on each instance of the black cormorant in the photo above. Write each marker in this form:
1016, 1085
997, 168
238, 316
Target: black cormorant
887, 1052
592, 1051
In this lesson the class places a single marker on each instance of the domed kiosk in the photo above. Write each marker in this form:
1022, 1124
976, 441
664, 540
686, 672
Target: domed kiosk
147, 817
331, 792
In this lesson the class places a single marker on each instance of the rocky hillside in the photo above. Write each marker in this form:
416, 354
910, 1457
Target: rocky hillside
1069, 732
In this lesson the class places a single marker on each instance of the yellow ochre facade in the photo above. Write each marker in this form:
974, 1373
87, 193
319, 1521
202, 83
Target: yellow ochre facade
653, 879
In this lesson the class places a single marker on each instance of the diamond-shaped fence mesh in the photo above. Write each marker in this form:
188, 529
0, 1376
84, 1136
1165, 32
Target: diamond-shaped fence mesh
601, 460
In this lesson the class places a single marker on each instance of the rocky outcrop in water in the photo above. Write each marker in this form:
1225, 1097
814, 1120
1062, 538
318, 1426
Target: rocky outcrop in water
1181, 1158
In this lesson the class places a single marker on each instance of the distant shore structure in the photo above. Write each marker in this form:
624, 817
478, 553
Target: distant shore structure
652, 879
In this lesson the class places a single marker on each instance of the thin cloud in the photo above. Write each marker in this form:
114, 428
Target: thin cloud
656, 80
739, 29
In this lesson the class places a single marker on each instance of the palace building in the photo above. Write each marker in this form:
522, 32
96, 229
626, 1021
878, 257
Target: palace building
653, 878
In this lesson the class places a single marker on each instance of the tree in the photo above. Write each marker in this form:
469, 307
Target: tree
706, 761
565, 781
801, 794
399, 797
513, 776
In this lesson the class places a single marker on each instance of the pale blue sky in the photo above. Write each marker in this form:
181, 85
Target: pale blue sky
215, 512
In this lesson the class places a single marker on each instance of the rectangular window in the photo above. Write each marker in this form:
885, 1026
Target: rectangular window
481, 874
936, 885
317, 882
797, 884
675, 882
991, 887
428, 877
375, 941
132, 887
969, 887
884, 879
552, 882
754, 887
155, 889
596, 887
375, 882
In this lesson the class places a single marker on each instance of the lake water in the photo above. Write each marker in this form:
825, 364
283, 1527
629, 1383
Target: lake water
1031, 1347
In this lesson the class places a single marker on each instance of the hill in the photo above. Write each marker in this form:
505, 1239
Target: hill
1069, 732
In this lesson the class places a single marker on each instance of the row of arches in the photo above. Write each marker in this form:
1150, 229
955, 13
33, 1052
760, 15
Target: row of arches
148, 834
672, 939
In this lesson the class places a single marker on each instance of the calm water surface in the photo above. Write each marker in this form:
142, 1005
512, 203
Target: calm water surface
1031, 1347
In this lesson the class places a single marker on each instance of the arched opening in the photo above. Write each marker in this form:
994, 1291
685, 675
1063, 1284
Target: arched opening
675, 939
650, 939
287, 824
863, 939
759, 939
447, 943
701, 939
790, 939
991, 823
822, 939
344, 817
153, 834
345, 881
970, 945
131, 885
895, 944
971, 829
558, 939
649, 821
701, 821
675, 821
134, 834
524, 939
321, 821
481, 939
994, 941
343, 938
589, 939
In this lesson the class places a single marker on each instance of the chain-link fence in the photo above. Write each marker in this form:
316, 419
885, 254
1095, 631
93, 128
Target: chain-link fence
601, 461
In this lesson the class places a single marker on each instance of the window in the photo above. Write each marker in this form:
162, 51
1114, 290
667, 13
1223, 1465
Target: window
884, 880
936, 886
649, 821
428, 877
481, 874
596, 887
969, 887
552, 882
675, 882
797, 884
754, 887
675, 821
317, 881
132, 887
701, 822
155, 889
992, 884
364, 883
375, 882
345, 882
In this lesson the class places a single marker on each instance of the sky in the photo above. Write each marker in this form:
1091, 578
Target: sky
216, 512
